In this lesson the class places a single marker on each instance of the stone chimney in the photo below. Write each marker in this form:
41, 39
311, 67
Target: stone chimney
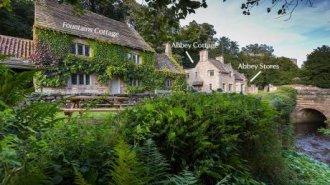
168, 49
203, 55
220, 58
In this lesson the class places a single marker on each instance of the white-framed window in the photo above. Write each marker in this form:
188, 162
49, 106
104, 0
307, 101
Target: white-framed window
168, 83
137, 58
210, 72
80, 79
134, 82
210, 86
80, 49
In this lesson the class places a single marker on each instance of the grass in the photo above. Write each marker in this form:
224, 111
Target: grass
92, 117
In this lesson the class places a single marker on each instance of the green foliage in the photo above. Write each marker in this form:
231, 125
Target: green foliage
184, 178
13, 86
194, 33
225, 46
283, 76
199, 139
29, 175
316, 70
155, 165
307, 170
256, 49
18, 21
79, 179
205, 133
284, 101
126, 169
108, 61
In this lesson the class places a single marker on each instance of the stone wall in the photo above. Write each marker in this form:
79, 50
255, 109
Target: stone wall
309, 97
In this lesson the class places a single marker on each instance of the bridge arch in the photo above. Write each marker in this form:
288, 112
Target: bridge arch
309, 120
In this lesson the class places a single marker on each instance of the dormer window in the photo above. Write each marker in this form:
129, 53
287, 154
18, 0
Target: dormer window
80, 49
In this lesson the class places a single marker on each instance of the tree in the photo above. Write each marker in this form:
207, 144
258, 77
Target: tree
114, 9
19, 20
316, 70
283, 7
256, 49
225, 46
156, 25
179, 8
194, 33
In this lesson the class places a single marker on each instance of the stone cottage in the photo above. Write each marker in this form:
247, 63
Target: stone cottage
214, 75
90, 54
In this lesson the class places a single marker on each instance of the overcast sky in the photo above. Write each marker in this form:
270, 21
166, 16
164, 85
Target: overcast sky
308, 28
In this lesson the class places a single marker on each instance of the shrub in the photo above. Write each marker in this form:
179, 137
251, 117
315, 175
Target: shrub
211, 135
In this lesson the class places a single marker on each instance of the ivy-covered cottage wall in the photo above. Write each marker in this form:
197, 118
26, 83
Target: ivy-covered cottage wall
107, 61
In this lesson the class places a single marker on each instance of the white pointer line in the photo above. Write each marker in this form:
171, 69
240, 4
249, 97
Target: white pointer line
191, 60
255, 76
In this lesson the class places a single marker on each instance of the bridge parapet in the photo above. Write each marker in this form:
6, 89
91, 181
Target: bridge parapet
309, 97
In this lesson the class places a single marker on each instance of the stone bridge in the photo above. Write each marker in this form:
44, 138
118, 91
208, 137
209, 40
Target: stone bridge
312, 101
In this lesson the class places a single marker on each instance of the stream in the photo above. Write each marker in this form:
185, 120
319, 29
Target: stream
312, 143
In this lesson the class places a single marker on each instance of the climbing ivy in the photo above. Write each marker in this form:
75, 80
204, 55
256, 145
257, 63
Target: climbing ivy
107, 61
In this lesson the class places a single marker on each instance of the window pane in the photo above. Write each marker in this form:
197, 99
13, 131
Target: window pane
129, 57
81, 79
137, 59
87, 50
134, 58
73, 48
74, 79
87, 80
80, 49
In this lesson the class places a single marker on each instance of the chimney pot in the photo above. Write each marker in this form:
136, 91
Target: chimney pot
220, 58
204, 55
168, 49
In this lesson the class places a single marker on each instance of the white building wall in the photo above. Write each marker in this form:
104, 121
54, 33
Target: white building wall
203, 69
219, 79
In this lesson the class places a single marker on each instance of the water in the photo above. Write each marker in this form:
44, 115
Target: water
315, 145
312, 143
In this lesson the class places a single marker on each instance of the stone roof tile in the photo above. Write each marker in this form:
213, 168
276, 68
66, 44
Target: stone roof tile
49, 14
164, 62
16, 47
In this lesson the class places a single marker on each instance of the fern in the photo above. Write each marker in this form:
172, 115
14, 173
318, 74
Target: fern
184, 178
127, 170
155, 164
30, 175
78, 178
13, 85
